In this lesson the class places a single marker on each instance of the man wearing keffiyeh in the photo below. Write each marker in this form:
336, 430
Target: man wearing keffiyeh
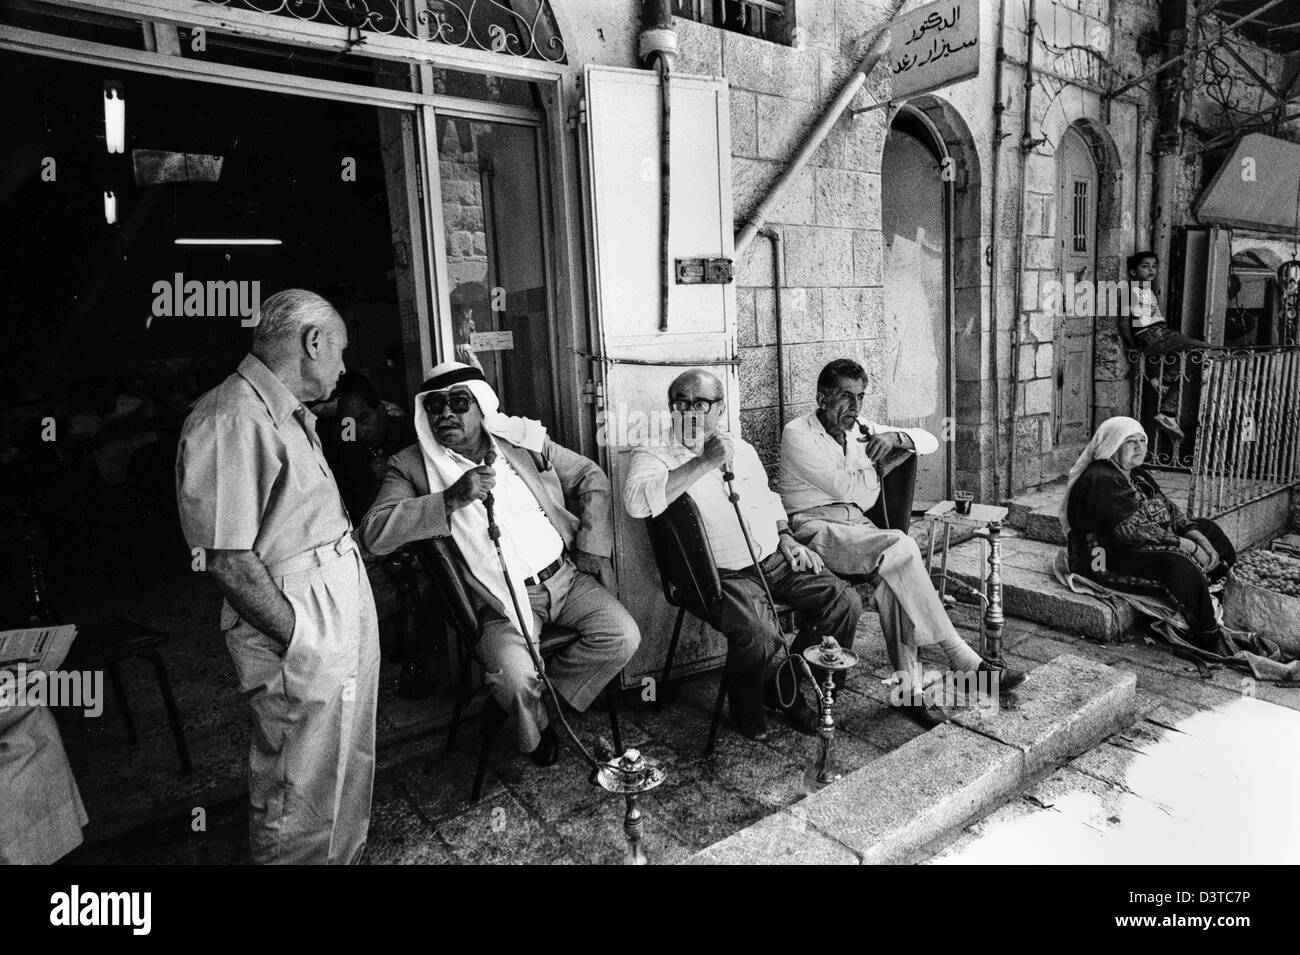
559, 559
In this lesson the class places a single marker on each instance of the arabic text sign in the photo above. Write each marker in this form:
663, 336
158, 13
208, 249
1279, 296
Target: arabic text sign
934, 46
492, 341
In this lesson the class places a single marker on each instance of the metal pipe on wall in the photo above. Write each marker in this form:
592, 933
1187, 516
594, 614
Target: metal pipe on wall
814, 139
778, 283
1173, 17
658, 43
1000, 59
1027, 146
665, 179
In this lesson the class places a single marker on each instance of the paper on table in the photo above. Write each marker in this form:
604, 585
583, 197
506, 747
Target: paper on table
39, 648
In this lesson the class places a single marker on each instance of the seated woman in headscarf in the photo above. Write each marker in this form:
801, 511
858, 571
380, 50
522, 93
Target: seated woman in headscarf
1125, 534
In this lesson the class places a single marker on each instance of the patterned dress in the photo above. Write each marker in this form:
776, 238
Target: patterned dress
1125, 532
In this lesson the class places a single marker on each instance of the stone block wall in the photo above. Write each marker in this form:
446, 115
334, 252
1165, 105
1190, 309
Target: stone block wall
832, 305
830, 219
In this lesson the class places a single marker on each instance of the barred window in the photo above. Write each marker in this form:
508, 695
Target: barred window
764, 19
1080, 215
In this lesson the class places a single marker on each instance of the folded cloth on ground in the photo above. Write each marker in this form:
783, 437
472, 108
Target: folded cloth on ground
1263, 658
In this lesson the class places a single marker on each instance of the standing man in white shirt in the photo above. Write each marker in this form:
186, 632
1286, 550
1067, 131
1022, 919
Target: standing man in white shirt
257, 495
692, 462
828, 483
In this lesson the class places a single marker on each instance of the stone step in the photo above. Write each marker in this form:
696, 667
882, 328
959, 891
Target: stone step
1031, 591
1036, 515
933, 785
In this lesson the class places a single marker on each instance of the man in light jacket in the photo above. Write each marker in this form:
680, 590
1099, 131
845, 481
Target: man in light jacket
553, 510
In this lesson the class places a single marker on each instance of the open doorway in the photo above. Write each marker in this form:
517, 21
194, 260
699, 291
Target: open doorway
915, 222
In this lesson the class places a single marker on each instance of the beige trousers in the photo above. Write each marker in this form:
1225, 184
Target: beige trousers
911, 614
311, 764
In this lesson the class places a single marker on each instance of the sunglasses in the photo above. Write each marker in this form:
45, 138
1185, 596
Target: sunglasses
458, 400
699, 405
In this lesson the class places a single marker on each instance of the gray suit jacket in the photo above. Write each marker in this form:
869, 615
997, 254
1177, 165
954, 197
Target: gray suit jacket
571, 489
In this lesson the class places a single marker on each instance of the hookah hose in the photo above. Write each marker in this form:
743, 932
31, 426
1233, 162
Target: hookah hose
494, 532
728, 476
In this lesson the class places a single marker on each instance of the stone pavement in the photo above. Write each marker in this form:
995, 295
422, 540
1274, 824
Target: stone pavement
1185, 786
421, 812
1207, 776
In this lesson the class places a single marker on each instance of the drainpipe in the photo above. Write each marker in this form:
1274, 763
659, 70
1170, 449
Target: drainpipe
658, 42
998, 135
778, 283
1173, 17
814, 139
1027, 146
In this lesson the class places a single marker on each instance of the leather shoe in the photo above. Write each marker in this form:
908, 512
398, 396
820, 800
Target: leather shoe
1008, 677
925, 714
547, 752
753, 731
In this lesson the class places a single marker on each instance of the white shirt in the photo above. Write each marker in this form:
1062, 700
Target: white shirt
1144, 307
815, 470
525, 528
644, 495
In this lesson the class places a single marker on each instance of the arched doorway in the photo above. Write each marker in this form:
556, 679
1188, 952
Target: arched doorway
1077, 201
916, 225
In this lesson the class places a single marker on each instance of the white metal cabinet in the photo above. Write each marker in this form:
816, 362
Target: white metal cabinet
637, 360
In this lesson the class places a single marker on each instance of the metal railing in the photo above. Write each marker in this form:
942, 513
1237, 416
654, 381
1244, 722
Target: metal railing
1248, 428
1154, 378
1243, 441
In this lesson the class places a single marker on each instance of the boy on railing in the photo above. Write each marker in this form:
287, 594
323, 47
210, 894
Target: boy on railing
1153, 336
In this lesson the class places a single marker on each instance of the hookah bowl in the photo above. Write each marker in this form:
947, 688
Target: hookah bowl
630, 776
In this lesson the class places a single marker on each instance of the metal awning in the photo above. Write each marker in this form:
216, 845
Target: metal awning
1257, 187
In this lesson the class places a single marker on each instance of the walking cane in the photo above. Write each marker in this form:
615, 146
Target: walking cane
631, 774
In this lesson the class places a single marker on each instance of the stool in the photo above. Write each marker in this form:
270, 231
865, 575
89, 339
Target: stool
104, 646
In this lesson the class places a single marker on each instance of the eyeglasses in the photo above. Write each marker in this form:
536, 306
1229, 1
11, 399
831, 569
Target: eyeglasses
699, 405
459, 401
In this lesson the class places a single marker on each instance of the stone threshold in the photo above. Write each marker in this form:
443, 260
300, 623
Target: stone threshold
892, 809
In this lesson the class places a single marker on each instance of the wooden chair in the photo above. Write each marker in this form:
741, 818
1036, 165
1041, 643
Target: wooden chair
439, 557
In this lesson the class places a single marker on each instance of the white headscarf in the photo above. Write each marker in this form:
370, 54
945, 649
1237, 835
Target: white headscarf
469, 524
1112, 433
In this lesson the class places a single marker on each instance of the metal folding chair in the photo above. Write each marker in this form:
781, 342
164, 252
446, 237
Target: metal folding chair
691, 583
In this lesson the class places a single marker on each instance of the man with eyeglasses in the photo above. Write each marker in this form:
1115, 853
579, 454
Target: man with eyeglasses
692, 461
557, 559
828, 483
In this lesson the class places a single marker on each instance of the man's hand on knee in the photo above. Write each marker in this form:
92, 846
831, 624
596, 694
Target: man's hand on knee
798, 556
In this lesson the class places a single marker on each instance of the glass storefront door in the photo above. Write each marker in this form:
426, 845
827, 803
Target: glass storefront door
494, 218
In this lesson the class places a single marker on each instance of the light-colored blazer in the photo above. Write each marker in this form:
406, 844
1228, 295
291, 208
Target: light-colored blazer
571, 489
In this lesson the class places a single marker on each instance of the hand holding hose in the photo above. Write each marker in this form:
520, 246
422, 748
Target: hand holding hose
717, 451
474, 485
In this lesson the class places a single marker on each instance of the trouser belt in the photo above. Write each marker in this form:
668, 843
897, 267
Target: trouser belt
546, 573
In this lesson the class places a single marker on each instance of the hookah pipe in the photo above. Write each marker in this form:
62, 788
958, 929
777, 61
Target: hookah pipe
829, 655
631, 774
727, 477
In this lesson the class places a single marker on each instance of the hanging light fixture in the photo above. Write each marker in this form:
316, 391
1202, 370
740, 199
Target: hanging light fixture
114, 116
110, 206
